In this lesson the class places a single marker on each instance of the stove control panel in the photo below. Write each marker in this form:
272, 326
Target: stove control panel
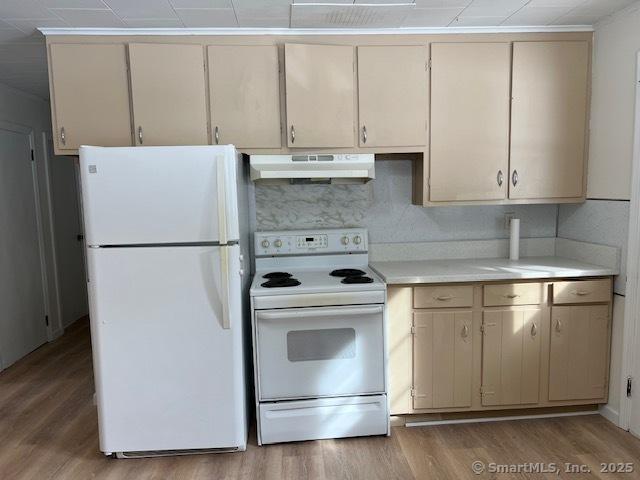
302, 242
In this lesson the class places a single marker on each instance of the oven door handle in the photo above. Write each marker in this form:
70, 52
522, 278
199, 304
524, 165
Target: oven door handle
331, 312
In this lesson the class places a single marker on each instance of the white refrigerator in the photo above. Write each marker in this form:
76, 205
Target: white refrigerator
166, 233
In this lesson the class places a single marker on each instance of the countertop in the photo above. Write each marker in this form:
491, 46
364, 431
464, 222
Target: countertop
485, 269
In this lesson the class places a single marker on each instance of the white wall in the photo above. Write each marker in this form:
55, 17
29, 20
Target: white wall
616, 43
23, 109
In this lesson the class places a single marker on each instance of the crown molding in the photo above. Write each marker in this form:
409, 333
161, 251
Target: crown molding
309, 31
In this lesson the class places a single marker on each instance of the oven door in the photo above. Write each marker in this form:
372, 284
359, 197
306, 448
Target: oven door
320, 352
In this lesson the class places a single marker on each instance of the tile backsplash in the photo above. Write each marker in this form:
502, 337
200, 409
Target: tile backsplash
384, 207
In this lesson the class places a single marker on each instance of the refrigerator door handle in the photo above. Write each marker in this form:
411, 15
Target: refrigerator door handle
224, 284
222, 199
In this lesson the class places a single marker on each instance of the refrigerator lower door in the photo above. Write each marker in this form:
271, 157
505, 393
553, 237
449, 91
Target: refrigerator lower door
160, 195
166, 329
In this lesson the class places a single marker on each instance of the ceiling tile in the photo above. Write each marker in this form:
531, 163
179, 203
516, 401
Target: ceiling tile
260, 22
99, 4
601, 7
30, 25
469, 21
89, 18
207, 18
572, 19
277, 11
23, 9
431, 17
201, 3
346, 2
153, 22
442, 3
141, 8
493, 8
554, 3
383, 2
536, 15
348, 16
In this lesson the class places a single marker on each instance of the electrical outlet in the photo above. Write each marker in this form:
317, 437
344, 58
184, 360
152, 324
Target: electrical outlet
507, 219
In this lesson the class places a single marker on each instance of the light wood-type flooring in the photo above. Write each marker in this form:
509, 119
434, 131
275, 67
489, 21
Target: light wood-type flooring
48, 430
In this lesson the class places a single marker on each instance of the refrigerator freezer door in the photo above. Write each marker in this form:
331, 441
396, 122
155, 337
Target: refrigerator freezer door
159, 195
168, 375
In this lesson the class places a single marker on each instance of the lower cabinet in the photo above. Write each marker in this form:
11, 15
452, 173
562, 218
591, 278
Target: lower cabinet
442, 359
579, 352
511, 356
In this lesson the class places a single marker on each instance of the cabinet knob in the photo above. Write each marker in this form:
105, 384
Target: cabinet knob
500, 178
465, 331
534, 330
293, 134
140, 134
216, 135
514, 178
558, 326
63, 137
364, 134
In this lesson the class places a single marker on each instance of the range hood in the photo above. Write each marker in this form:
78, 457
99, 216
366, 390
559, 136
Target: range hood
313, 168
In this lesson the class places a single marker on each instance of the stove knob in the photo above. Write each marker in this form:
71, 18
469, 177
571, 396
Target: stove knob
265, 243
357, 240
345, 240
277, 243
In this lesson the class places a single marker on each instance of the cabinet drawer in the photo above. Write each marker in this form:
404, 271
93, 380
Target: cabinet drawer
443, 296
582, 291
513, 294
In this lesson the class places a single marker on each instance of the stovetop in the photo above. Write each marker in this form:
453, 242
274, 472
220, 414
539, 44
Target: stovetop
314, 280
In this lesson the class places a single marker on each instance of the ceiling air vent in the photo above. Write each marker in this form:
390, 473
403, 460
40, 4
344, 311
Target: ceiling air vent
335, 15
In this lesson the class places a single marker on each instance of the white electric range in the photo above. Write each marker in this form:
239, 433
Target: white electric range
318, 323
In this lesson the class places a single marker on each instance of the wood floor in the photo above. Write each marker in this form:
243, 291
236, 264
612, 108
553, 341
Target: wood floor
48, 430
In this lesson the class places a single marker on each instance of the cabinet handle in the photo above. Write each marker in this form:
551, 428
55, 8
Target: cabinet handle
293, 134
514, 178
581, 293
512, 295
534, 330
500, 178
140, 134
364, 134
63, 137
465, 331
216, 135
558, 325
444, 298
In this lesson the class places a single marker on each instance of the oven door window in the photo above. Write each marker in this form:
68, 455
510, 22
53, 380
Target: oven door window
320, 351
321, 344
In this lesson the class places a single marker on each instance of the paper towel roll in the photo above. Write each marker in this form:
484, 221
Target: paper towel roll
514, 240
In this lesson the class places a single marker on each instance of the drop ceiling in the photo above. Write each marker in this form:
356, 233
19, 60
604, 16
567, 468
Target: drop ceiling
23, 57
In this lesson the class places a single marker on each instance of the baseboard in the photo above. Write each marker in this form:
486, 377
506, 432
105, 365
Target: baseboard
500, 419
610, 414
55, 334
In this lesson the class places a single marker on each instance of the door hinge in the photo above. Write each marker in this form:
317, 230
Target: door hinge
482, 328
32, 155
629, 386
413, 392
46, 320
413, 329
429, 65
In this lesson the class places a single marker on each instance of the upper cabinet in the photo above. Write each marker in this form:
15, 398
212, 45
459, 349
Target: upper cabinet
90, 96
320, 96
548, 119
469, 150
168, 94
244, 96
392, 95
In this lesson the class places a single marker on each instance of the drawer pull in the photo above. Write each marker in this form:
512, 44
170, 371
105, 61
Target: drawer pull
558, 326
512, 295
465, 332
534, 330
581, 293
444, 298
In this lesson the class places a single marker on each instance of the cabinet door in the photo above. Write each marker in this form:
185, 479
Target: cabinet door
319, 95
244, 94
511, 356
168, 94
442, 359
392, 106
90, 95
469, 156
579, 351
548, 119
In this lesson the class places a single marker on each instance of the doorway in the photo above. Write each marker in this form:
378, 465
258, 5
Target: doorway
23, 322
